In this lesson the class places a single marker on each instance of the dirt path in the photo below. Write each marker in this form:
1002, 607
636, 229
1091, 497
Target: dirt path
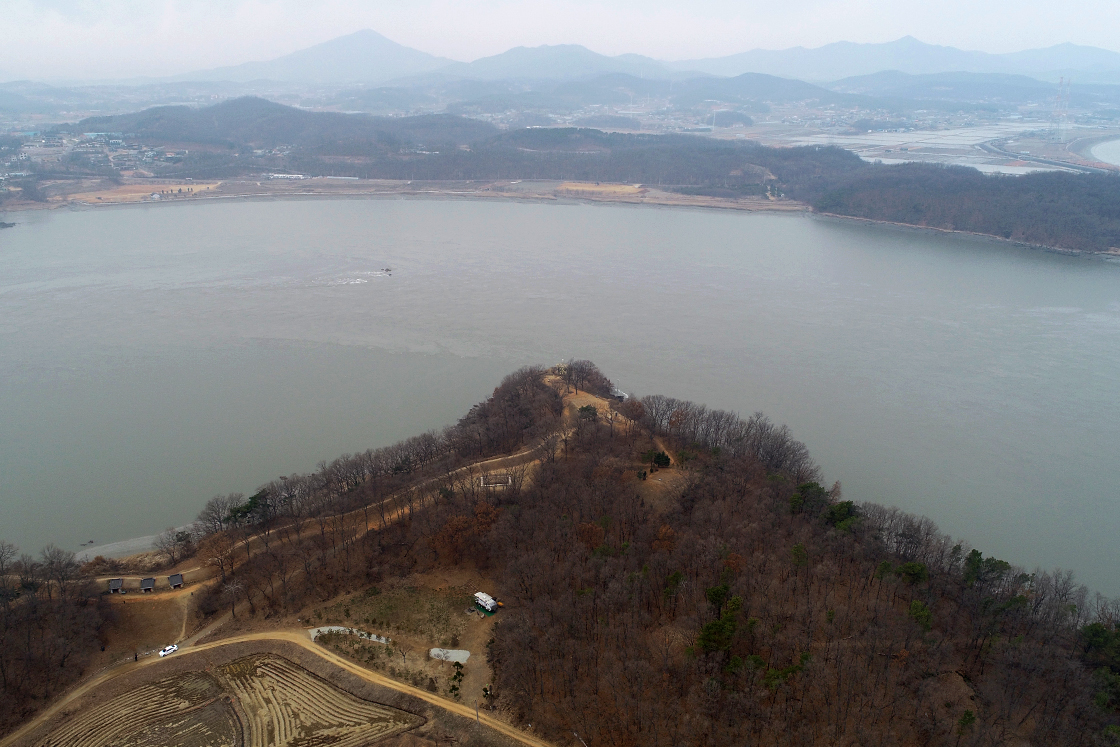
204, 572
525, 456
302, 639
660, 445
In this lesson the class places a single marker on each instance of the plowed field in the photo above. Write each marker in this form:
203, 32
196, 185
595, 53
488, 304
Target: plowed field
257, 701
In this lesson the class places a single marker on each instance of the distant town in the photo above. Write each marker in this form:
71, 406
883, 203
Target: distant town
1012, 139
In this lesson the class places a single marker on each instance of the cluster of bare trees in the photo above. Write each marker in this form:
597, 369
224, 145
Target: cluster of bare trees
688, 423
48, 628
521, 409
1054, 599
583, 374
761, 611
319, 524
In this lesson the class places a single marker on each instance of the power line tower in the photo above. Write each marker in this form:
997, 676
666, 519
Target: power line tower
1060, 117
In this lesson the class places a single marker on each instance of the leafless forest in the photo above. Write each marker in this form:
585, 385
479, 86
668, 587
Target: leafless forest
746, 605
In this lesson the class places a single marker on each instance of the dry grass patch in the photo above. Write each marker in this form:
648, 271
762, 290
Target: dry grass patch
600, 190
138, 192
434, 615
143, 623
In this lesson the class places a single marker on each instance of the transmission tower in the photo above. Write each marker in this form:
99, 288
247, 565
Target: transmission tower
1060, 117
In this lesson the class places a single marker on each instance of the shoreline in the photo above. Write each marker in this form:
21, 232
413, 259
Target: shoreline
1106, 256
325, 187
539, 191
116, 550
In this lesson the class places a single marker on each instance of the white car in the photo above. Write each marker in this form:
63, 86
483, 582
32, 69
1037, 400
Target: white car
169, 650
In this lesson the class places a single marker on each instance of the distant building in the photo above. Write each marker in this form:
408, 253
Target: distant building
175, 580
115, 585
147, 585
496, 480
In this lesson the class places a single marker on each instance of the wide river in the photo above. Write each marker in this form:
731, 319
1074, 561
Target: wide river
151, 357
1108, 152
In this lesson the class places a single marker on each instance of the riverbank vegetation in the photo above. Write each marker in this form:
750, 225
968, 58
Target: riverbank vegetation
678, 575
50, 625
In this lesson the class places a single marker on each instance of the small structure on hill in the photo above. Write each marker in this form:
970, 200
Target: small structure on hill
496, 480
115, 585
486, 602
147, 585
450, 654
175, 580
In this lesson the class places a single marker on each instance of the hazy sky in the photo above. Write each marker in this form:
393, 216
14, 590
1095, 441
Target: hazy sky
107, 38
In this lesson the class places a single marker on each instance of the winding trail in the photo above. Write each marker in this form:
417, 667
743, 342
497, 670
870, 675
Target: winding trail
201, 574
303, 640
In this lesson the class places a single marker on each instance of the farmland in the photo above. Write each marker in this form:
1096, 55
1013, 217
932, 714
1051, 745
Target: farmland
253, 701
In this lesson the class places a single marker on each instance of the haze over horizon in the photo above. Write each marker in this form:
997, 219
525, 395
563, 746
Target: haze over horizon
86, 40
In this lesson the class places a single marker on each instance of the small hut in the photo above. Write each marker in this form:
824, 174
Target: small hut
147, 585
175, 580
496, 480
115, 585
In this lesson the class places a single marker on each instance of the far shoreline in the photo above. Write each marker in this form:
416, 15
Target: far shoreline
535, 191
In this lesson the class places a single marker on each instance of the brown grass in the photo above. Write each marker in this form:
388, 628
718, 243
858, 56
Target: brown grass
600, 190
418, 614
143, 625
138, 192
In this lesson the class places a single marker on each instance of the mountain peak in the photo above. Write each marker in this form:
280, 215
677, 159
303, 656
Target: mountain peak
364, 56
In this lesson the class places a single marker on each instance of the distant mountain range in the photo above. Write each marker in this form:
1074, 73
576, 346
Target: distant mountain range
909, 55
976, 88
368, 57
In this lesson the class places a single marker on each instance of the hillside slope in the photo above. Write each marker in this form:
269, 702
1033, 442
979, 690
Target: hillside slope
670, 575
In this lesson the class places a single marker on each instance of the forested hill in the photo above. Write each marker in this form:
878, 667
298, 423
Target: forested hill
252, 122
1069, 211
672, 575
1062, 210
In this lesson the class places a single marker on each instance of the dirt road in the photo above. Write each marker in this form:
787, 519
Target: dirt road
206, 572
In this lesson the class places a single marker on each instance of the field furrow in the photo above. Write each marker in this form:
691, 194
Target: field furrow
284, 706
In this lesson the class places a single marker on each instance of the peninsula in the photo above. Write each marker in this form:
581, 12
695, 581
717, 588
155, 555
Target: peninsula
666, 574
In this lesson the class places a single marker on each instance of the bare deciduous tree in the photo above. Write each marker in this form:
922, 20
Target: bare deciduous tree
231, 591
